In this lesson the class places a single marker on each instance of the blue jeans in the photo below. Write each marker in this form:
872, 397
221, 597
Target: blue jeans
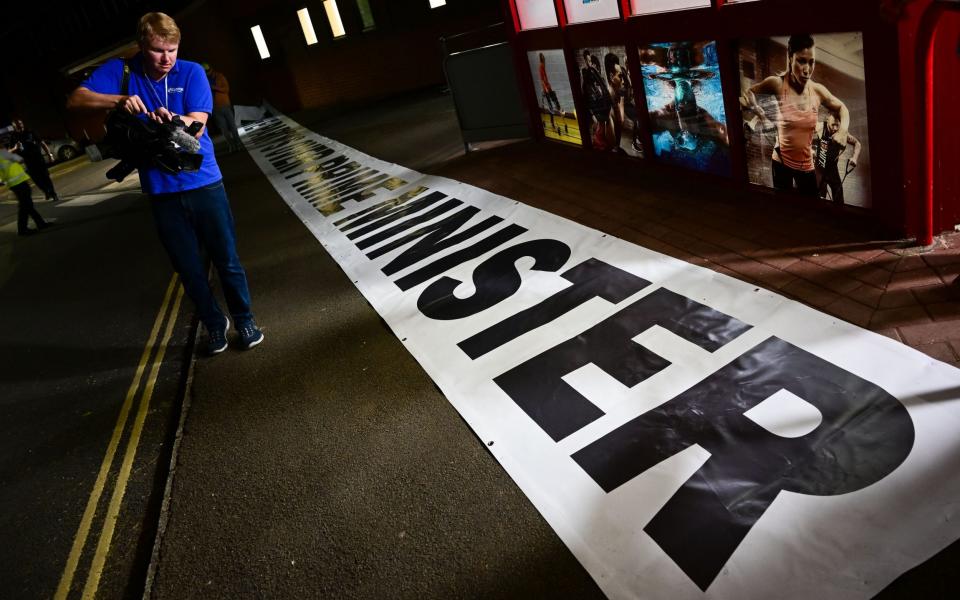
187, 221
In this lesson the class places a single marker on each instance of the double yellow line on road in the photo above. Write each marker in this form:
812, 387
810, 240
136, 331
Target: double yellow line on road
168, 312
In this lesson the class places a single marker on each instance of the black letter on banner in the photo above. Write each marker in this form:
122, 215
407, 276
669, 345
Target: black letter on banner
304, 162
864, 435
590, 279
536, 385
330, 164
379, 209
297, 154
267, 131
385, 234
459, 257
387, 212
357, 177
496, 279
366, 191
439, 236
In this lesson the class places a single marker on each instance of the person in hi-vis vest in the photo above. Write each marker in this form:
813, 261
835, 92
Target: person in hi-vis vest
15, 177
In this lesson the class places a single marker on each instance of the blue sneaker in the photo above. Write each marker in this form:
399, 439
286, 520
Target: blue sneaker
250, 335
217, 338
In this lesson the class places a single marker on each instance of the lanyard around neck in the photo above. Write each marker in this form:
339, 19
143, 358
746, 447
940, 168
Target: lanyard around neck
153, 90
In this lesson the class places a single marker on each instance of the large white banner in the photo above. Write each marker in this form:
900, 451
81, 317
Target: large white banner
686, 434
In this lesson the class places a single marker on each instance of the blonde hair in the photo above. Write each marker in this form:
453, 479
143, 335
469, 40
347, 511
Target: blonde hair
160, 25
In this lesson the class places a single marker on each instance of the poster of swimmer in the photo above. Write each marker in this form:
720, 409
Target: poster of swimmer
688, 123
554, 95
607, 93
803, 101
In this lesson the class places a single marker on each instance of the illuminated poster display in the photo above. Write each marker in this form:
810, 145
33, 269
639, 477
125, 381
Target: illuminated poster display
536, 14
608, 94
804, 107
554, 95
646, 7
583, 11
687, 120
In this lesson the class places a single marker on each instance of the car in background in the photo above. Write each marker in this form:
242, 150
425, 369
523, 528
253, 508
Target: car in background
63, 149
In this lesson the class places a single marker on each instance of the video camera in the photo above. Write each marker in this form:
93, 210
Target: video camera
141, 143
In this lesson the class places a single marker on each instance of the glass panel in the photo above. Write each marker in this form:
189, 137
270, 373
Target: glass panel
646, 7
307, 25
583, 11
608, 94
688, 123
366, 15
333, 16
260, 41
804, 106
557, 112
536, 14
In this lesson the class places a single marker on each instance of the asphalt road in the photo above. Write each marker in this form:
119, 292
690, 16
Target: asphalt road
78, 303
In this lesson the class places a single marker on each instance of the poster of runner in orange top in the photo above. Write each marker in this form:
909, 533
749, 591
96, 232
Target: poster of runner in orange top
558, 115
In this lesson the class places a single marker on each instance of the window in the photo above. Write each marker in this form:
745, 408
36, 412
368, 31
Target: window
333, 16
366, 15
307, 25
261, 43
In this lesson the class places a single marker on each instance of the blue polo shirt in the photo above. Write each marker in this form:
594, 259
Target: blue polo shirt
185, 89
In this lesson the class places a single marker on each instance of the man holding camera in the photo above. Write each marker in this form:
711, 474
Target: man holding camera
190, 209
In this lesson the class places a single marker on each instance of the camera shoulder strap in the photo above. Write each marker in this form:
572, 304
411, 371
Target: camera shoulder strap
125, 81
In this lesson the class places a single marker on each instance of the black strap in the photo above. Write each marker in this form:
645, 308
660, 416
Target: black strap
125, 82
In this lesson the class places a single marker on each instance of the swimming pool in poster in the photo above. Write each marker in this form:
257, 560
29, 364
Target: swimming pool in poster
688, 123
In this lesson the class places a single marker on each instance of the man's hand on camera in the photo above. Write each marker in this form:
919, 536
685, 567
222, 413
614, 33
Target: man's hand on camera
161, 115
132, 104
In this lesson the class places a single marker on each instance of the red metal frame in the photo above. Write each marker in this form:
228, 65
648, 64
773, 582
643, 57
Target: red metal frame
926, 80
727, 23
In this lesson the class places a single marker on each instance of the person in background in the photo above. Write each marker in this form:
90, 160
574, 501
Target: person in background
597, 96
17, 181
549, 96
619, 82
223, 116
190, 208
827, 153
33, 150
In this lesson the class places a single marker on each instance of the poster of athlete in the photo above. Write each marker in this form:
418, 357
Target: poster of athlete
554, 95
608, 94
803, 101
687, 120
